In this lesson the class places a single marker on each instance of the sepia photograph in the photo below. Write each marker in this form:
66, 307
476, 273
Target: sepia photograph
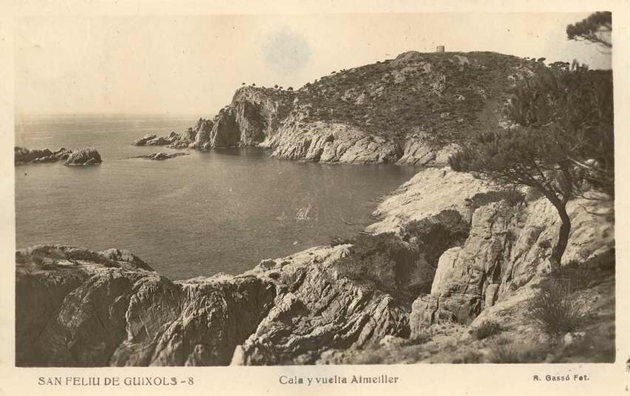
340, 189
247, 199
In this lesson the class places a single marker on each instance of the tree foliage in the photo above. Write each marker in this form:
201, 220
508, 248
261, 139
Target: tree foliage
595, 29
563, 135
573, 109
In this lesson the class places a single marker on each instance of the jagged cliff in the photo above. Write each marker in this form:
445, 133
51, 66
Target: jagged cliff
448, 249
406, 110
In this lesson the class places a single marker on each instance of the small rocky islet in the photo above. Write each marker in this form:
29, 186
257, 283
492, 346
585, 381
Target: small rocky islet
79, 157
449, 253
161, 156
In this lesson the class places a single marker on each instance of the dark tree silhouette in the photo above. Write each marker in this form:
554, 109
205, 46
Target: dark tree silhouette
595, 29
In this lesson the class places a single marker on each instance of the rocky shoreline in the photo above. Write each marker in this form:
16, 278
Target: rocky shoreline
240, 125
447, 250
408, 110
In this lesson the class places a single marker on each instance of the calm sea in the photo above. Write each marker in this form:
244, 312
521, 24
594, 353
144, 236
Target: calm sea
220, 211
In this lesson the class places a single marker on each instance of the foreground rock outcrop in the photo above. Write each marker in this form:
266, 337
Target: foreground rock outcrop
85, 156
510, 240
507, 249
77, 307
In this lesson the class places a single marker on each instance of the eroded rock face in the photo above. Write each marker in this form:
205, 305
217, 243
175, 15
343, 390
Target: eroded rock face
508, 245
507, 249
83, 308
199, 137
417, 151
317, 309
327, 142
226, 131
185, 139
259, 113
429, 193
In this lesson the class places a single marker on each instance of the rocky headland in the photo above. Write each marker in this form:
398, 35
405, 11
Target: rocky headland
79, 157
408, 110
448, 251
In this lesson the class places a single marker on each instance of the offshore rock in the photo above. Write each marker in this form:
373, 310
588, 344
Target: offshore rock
158, 141
25, 156
84, 157
195, 137
161, 156
152, 140
143, 140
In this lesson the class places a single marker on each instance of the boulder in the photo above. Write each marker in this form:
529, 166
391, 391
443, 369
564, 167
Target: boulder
84, 157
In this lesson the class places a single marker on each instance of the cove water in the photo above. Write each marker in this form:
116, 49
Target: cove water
195, 215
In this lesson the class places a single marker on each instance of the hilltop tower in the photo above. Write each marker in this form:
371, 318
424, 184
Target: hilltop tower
440, 48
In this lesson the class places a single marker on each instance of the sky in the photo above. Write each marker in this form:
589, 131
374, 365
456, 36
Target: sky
192, 65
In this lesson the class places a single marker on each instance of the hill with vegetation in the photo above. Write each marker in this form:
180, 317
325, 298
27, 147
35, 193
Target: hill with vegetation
409, 110
435, 93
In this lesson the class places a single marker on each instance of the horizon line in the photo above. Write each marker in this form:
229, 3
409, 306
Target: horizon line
109, 113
